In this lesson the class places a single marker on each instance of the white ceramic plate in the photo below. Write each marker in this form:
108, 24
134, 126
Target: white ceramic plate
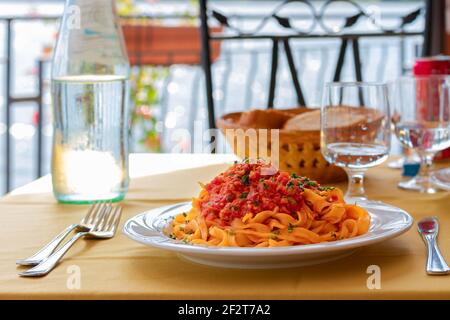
387, 222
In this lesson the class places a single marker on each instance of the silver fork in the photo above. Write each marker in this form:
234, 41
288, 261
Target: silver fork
85, 225
104, 228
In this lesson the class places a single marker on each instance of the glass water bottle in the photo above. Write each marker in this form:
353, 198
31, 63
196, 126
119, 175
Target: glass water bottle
90, 93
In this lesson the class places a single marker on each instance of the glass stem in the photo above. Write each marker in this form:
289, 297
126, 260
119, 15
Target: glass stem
426, 162
355, 190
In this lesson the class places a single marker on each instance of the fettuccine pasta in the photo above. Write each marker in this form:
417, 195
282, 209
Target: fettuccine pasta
255, 205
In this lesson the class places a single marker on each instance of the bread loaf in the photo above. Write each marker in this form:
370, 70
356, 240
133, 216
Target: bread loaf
341, 118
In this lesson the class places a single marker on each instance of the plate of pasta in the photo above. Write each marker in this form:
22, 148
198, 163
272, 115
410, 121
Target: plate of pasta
255, 216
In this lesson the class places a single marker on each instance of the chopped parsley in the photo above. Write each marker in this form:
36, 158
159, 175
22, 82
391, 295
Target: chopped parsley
326, 188
294, 175
243, 195
290, 227
289, 185
245, 180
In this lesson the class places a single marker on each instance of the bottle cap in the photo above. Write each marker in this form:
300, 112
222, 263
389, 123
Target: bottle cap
437, 65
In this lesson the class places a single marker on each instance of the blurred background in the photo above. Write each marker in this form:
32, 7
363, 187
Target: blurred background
168, 83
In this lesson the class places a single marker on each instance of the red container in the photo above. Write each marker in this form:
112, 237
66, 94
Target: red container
426, 71
439, 65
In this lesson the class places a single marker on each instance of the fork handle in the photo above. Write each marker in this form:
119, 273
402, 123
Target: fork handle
48, 249
48, 264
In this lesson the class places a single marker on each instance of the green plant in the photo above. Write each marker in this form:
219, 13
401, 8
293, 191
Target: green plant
144, 94
145, 98
125, 7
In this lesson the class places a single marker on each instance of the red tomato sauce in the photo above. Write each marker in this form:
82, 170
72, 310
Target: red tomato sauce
252, 188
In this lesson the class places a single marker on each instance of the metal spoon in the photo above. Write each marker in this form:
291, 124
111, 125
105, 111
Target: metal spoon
428, 229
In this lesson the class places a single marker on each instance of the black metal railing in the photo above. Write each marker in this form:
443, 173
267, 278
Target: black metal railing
318, 17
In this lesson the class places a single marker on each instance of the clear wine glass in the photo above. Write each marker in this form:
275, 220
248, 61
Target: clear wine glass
355, 130
421, 116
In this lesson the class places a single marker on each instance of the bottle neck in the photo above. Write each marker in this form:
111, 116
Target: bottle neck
94, 14
90, 41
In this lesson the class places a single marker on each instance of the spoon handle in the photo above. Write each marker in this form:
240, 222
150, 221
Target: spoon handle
436, 264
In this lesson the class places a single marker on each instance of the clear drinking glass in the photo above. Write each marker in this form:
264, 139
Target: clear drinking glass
90, 93
421, 116
355, 130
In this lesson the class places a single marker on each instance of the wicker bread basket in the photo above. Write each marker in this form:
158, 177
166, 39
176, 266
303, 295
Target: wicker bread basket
299, 151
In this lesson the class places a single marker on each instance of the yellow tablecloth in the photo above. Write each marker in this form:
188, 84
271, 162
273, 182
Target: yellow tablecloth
120, 268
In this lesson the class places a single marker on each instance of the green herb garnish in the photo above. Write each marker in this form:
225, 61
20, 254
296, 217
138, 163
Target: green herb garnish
245, 180
326, 188
243, 195
290, 227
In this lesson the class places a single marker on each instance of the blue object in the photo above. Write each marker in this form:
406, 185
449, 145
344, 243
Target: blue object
411, 169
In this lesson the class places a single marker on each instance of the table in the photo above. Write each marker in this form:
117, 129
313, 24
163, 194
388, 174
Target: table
122, 269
